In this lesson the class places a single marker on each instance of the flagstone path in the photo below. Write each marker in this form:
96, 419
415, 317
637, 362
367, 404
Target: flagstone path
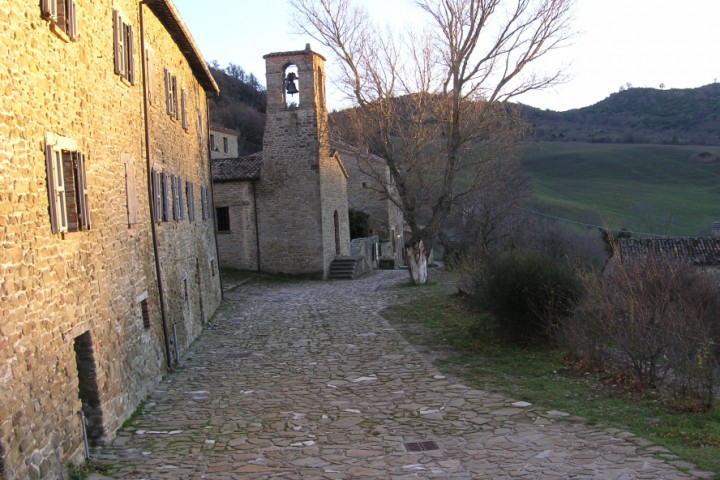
305, 380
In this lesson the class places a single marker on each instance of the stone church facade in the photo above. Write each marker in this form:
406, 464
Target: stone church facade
285, 209
108, 266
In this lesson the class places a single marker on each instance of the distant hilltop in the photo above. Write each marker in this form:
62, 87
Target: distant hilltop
637, 115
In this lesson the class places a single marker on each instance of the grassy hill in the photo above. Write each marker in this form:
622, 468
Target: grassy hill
663, 189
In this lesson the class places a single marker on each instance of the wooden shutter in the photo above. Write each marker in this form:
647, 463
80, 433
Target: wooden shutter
191, 201
49, 9
175, 197
71, 20
181, 200
157, 196
118, 40
51, 184
167, 91
130, 46
82, 192
175, 110
183, 107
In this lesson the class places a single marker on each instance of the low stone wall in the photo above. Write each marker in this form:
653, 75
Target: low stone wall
366, 248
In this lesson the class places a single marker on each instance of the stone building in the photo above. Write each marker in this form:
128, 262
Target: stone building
108, 265
223, 142
285, 209
291, 215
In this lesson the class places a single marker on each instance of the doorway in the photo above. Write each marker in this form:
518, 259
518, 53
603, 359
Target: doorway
88, 388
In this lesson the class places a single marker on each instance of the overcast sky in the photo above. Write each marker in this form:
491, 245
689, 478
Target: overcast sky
642, 42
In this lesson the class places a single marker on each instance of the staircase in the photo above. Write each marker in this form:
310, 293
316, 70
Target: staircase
345, 268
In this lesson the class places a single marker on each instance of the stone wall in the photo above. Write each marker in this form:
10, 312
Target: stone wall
365, 193
219, 137
62, 290
238, 247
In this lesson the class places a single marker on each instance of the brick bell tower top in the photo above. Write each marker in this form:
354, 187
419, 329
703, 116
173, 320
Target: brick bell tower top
295, 80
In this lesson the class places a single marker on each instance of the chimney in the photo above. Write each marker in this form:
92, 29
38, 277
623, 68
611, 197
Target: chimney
715, 230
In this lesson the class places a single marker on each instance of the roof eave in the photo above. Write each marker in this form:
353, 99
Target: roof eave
166, 12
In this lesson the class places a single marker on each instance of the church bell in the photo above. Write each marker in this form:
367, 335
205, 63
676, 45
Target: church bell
290, 86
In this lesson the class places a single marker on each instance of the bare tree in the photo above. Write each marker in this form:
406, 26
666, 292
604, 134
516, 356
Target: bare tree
432, 103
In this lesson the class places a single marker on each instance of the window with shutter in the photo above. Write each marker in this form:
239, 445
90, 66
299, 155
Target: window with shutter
157, 195
62, 16
165, 204
171, 94
67, 185
124, 47
190, 200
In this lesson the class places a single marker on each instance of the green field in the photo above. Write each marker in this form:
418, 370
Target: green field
645, 188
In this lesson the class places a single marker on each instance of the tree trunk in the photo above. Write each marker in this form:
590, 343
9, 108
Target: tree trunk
416, 258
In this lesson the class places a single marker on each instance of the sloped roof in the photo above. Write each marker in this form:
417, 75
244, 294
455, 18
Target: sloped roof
169, 16
697, 251
240, 168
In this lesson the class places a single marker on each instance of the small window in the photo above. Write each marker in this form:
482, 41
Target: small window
212, 143
190, 188
145, 310
223, 219
61, 13
225, 145
67, 185
171, 94
183, 109
124, 48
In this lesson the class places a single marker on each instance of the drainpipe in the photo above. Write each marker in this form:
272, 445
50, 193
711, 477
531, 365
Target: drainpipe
212, 193
257, 224
156, 251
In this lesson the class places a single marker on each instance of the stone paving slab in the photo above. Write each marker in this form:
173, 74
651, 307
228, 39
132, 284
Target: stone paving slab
307, 381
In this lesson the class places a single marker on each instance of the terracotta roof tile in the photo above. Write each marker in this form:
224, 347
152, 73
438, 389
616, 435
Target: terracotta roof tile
241, 168
698, 251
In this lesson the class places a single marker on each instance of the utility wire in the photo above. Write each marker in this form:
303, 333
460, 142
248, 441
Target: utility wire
591, 225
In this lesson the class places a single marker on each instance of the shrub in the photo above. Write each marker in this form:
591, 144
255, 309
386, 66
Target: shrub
656, 318
527, 293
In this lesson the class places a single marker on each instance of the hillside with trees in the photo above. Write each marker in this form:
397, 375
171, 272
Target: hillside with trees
637, 115
240, 106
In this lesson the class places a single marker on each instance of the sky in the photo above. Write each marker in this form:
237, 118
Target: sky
642, 43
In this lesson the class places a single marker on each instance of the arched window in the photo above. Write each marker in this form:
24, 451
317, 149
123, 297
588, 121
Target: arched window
291, 84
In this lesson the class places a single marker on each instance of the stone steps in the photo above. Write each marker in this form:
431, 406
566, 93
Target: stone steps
344, 268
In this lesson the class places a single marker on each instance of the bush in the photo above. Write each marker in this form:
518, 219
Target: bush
527, 293
655, 318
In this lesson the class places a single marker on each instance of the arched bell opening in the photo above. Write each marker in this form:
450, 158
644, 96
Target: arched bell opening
291, 84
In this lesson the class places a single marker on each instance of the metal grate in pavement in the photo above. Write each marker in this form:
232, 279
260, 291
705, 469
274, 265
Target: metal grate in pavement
421, 446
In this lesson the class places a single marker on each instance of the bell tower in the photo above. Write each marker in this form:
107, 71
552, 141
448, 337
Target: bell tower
302, 193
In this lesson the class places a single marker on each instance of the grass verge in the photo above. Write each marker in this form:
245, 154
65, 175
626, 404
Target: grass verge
466, 344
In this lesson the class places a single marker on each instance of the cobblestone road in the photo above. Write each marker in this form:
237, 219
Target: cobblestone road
307, 381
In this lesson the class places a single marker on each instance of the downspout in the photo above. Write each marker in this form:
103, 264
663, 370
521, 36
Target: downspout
212, 192
257, 224
161, 295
